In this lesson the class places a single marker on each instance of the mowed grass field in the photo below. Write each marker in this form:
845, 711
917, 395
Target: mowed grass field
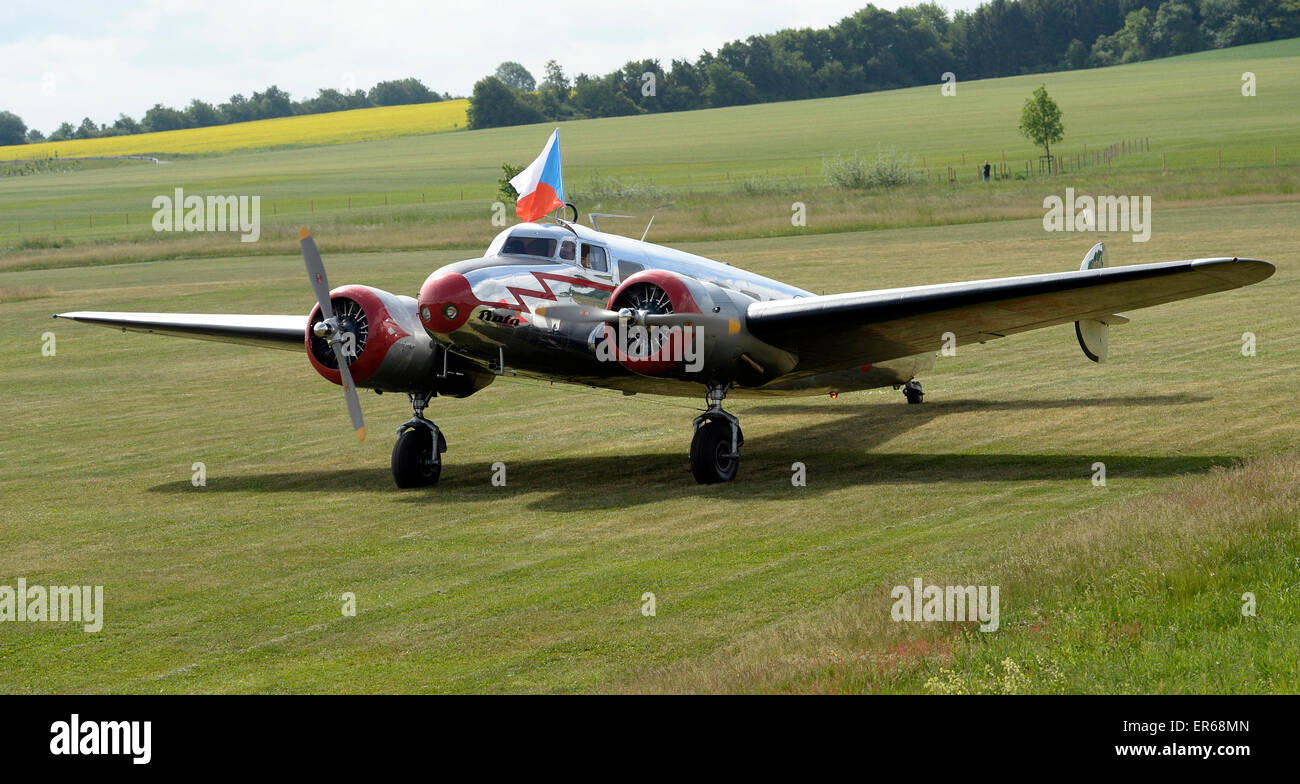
357, 125
759, 585
719, 173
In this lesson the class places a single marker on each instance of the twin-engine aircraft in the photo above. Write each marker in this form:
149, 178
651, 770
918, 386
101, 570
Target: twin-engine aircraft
562, 302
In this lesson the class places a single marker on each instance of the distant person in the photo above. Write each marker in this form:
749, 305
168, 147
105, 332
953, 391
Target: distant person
986, 171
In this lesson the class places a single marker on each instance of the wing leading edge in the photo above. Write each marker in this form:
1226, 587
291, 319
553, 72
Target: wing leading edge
839, 330
268, 331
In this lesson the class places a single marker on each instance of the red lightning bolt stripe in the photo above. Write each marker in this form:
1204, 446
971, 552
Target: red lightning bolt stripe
546, 293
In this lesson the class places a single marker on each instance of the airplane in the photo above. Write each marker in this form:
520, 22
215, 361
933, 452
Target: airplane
562, 302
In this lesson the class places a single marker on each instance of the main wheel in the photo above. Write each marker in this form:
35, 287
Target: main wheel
710, 450
415, 461
912, 391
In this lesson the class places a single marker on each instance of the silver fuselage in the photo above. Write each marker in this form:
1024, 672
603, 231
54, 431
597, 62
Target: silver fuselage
504, 332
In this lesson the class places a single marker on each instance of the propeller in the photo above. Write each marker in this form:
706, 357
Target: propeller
578, 313
594, 315
328, 328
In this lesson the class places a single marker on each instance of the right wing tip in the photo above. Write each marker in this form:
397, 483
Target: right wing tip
1242, 271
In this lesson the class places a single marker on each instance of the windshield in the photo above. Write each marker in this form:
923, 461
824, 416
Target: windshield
541, 247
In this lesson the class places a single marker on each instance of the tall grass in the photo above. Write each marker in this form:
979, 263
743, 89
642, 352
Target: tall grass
600, 190
1145, 595
888, 169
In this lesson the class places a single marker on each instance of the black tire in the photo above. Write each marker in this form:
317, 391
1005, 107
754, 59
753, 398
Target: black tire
912, 391
708, 449
415, 463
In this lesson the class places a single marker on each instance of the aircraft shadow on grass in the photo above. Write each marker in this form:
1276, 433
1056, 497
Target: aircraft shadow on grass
836, 448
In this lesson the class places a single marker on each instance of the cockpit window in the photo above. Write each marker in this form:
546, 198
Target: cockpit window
593, 258
566, 250
530, 246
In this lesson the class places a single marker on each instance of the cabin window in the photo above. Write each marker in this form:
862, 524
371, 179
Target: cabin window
567, 250
541, 247
593, 258
626, 268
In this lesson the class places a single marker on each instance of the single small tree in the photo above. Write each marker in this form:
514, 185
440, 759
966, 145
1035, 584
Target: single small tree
1040, 121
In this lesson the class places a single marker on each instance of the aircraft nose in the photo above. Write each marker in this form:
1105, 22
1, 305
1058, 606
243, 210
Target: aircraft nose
445, 303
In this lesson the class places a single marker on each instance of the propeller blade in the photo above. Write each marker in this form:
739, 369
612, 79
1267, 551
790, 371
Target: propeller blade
578, 313
671, 319
594, 315
316, 271
683, 319
321, 285
349, 391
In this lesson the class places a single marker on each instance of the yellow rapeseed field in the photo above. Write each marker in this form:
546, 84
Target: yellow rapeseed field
332, 128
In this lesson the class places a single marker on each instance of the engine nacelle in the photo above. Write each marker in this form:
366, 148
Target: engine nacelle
714, 347
391, 349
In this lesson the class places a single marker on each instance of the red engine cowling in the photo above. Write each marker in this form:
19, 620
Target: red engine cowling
711, 346
392, 350
654, 291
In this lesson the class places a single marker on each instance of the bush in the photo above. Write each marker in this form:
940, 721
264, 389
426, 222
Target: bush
505, 191
888, 170
43, 243
763, 186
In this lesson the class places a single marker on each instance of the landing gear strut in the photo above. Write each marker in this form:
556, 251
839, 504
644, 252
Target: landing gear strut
912, 391
417, 455
715, 448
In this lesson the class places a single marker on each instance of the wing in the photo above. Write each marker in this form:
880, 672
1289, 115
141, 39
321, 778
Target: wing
284, 332
840, 330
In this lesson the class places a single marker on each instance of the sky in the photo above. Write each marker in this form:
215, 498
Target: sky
69, 59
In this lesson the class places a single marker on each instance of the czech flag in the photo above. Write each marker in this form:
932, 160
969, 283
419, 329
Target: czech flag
541, 185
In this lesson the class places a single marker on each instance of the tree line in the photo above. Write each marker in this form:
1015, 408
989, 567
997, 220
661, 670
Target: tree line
876, 49
270, 103
873, 49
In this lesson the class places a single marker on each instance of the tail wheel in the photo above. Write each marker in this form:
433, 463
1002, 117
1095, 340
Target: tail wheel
416, 463
711, 458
